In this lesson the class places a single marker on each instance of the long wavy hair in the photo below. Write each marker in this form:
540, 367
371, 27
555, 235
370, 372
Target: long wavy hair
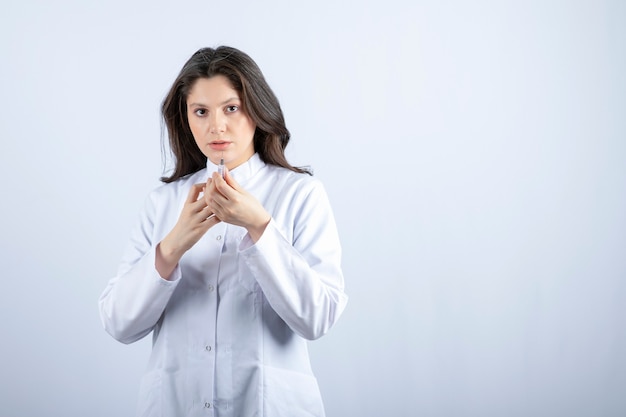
257, 99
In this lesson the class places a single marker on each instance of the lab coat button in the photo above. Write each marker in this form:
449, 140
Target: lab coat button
219, 237
208, 348
207, 405
211, 287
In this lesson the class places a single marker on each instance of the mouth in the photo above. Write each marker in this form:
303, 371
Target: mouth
219, 144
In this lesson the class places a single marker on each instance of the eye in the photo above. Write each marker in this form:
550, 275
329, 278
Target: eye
232, 109
200, 112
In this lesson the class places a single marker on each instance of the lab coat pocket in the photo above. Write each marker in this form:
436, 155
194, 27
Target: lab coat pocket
149, 400
291, 394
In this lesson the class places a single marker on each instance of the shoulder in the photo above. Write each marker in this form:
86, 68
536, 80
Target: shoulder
295, 181
294, 189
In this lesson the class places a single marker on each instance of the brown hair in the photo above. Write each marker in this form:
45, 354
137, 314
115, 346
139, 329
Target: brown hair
258, 101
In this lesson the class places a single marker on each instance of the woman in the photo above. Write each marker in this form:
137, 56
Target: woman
231, 274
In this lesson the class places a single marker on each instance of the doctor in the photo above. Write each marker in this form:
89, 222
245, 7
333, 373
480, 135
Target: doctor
233, 274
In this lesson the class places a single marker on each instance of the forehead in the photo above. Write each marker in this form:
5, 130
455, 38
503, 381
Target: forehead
212, 90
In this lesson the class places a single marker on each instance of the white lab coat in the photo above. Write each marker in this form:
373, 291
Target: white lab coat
230, 328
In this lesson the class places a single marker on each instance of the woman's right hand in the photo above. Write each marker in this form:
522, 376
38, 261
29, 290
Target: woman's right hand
193, 222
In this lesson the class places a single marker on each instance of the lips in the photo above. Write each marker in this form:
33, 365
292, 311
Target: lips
219, 144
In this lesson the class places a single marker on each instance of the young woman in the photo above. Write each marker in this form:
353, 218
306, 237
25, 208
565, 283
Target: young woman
231, 272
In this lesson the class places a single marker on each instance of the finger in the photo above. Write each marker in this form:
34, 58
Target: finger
205, 213
210, 186
210, 217
216, 203
197, 206
223, 187
230, 180
211, 221
210, 193
197, 218
194, 192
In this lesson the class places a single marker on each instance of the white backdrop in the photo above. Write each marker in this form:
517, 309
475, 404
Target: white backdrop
475, 156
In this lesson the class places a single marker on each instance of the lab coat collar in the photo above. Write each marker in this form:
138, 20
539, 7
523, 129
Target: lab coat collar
244, 171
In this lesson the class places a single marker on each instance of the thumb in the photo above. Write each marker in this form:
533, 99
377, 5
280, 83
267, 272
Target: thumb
230, 180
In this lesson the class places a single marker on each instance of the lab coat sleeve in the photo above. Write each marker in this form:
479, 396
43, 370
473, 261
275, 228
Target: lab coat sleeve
302, 280
135, 298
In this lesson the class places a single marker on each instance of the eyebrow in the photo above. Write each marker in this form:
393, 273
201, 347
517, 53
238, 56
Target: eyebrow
221, 104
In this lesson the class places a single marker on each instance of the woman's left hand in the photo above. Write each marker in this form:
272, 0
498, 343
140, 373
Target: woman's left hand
232, 204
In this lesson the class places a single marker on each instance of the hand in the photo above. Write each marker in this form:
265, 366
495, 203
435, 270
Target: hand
232, 204
193, 222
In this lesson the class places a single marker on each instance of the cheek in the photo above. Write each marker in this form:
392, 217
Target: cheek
245, 127
250, 127
195, 127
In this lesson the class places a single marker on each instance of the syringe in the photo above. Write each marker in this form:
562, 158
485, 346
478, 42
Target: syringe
220, 168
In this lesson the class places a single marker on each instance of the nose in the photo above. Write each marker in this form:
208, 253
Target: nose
217, 123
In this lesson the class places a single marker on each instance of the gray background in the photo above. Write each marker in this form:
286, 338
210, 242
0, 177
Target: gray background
474, 154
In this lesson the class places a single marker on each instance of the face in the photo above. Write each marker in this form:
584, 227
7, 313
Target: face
219, 125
